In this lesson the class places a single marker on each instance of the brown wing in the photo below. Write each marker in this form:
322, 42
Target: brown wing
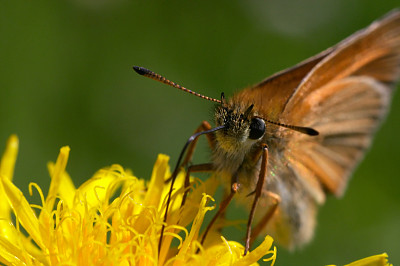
345, 97
271, 95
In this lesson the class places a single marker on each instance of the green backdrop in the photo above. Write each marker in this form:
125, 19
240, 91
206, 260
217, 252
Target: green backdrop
66, 79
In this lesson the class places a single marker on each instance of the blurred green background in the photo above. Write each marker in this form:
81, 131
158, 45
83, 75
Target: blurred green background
66, 79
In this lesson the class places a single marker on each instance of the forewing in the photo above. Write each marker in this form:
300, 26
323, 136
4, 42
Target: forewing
345, 97
271, 95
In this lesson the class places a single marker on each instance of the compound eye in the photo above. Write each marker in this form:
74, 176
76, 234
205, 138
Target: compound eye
257, 128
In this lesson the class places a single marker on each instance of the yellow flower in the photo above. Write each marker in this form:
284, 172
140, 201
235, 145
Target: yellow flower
114, 218
376, 260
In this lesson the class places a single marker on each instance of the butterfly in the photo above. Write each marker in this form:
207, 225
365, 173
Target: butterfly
282, 145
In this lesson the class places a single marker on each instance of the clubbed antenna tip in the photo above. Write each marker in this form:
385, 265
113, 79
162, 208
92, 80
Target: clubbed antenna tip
141, 70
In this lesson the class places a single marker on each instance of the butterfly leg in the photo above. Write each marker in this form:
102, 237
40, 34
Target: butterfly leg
222, 207
189, 154
204, 128
260, 184
190, 149
276, 199
210, 138
198, 168
222, 215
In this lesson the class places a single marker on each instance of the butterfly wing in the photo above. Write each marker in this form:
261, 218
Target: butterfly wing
271, 95
344, 93
345, 97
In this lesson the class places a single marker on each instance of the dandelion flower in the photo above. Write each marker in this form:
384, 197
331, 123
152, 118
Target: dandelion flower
114, 218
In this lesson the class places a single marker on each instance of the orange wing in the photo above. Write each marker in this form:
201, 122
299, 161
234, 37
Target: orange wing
271, 95
345, 97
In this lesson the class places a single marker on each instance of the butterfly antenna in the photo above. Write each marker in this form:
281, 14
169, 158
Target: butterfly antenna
150, 74
305, 130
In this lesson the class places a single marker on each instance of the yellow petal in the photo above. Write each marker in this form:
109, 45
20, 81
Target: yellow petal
7, 164
67, 188
376, 260
184, 253
46, 221
93, 192
154, 192
157, 181
193, 200
12, 244
223, 253
9, 157
257, 253
24, 213
56, 176
10, 254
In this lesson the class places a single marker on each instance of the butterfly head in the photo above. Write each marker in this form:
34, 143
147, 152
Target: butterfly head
242, 128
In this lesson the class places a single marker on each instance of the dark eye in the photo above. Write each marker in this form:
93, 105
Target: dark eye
257, 128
